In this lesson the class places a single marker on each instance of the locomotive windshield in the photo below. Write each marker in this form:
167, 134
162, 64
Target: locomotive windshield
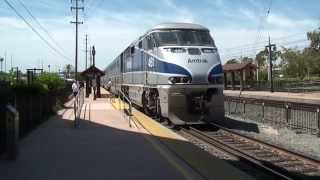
184, 38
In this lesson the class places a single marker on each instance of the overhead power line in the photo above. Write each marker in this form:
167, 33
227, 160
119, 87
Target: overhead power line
36, 32
41, 26
262, 43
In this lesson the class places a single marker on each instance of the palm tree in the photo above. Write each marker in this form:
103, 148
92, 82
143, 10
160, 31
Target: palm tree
67, 70
1, 61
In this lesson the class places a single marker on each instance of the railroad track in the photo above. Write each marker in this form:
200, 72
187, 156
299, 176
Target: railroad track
278, 162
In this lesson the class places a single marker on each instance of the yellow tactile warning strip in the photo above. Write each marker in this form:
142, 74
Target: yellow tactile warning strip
118, 104
207, 165
155, 128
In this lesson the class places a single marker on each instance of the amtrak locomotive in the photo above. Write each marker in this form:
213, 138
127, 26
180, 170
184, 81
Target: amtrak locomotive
172, 71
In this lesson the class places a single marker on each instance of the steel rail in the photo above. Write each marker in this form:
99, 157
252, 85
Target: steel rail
268, 145
235, 152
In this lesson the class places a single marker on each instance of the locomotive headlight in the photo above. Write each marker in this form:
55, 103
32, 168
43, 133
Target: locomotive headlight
174, 80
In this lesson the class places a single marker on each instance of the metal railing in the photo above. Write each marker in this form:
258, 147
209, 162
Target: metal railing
77, 105
12, 132
300, 116
278, 85
123, 101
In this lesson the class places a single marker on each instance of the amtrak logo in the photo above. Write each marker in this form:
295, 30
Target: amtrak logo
151, 62
197, 60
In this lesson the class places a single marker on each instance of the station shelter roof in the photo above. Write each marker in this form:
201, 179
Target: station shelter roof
91, 71
239, 67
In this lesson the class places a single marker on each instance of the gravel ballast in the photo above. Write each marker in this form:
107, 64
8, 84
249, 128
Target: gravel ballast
291, 139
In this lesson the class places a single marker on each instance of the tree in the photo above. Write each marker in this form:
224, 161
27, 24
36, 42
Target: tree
232, 61
314, 38
312, 53
261, 58
1, 61
67, 70
294, 63
246, 60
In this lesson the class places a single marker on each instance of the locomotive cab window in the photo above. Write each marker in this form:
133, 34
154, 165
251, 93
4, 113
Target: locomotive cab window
204, 38
145, 44
140, 44
167, 38
150, 43
187, 38
184, 38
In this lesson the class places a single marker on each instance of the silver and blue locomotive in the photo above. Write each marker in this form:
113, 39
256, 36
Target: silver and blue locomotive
173, 71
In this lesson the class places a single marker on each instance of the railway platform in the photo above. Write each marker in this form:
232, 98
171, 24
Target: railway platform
306, 97
105, 146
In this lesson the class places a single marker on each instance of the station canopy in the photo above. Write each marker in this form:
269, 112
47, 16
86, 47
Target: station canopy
92, 71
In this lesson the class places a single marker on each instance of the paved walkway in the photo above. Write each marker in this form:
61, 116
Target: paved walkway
104, 147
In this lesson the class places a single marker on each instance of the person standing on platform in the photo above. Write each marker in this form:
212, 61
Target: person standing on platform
94, 86
109, 85
75, 88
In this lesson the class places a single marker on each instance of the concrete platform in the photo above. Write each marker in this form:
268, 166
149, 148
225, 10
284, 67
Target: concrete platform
106, 147
307, 97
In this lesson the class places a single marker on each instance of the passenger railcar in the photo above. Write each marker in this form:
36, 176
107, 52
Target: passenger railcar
173, 71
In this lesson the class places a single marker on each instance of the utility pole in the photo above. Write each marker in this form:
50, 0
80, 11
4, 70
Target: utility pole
11, 60
86, 51
94, 54
49, 68
5, 61
271, 48
77, 22
90, 55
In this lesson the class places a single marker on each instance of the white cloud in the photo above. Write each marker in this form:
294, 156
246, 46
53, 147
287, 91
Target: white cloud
248, 14
10, 22
281, 21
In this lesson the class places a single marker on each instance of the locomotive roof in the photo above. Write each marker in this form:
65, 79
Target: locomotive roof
166, 26
179, 26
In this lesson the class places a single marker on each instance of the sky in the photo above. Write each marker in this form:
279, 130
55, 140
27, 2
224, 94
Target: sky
239, 27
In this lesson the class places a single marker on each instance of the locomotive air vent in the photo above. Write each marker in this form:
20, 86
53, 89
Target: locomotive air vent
194, 51
209, 50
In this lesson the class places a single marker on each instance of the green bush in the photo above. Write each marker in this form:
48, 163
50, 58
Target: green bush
51, 80
32, 89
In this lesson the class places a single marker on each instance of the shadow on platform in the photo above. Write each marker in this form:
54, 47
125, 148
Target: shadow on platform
238, 125
57, 150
